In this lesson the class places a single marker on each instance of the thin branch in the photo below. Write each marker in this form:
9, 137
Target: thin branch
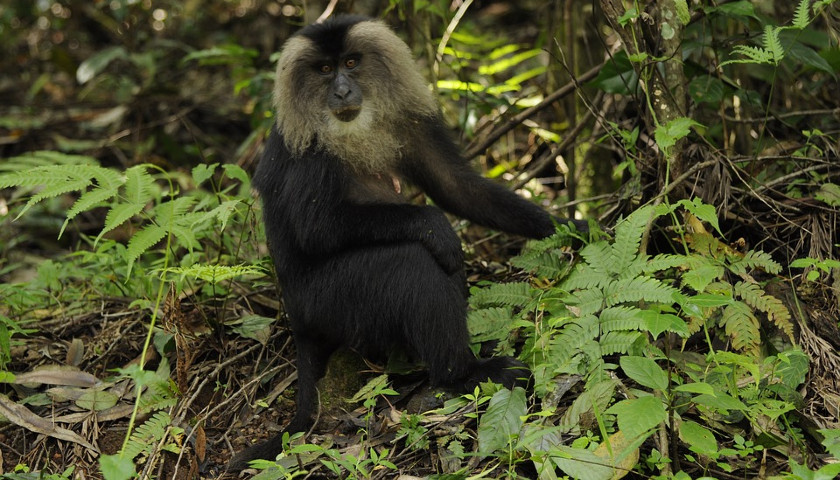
528, 112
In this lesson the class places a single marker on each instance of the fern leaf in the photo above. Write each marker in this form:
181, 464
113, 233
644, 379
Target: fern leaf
489, 323
664, 261
573, 335
639, 289
150, 432
772, 44
621, 318
141, 241
186, 237
55, 190
89, 200
596, 255
514, 294
628, 236
119, 214
802, 17
618, 342
741, 326
551, 264
584, 276
776, 311
43, 158
589, 301
636, 267
754, 55
172, 211
754, 259
50, 175
138, 185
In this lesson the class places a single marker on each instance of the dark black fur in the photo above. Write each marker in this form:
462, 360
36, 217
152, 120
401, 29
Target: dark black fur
360, 268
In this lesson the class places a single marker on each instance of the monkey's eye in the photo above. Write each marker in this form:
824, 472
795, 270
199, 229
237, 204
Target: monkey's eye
325, 69
351, 63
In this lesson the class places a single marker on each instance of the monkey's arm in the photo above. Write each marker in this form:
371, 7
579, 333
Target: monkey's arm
306, 203
436, 165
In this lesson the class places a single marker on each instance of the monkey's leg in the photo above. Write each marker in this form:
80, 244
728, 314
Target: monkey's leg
312, 357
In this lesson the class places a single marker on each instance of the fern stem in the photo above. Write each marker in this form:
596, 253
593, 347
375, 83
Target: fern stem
158, 300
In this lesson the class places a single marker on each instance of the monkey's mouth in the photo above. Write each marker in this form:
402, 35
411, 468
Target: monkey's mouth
346, 114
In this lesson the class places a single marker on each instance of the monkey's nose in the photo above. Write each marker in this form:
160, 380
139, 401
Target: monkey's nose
342, 91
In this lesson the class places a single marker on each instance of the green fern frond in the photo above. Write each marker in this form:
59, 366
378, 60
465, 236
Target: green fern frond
589, 301
147, 435
741, 327
573, 336
596, 255
772, 44
141, 241
639, 289
754, 259
584, 276
621, 318
551, 263
618, 342
55, 190
87, 201
776, 311
754, 55
48, 176
664, 261
802, 17
186, 237
158, 395
117, 215
489, 323
170, 211
215, 274
138, 185
43, 158
637, 266
514, 294
628, 236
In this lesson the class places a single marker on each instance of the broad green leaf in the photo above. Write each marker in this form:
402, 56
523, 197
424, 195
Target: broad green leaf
707, 89
500, 425
638, 415
203, 171
793, 368
667, 135
617, 76
97, 62
657, 322
829, 193
645, 372
709, 300
97, 400
256, 327
721, 402
700, 439
581, 464
696, 387
116, 467
741, 8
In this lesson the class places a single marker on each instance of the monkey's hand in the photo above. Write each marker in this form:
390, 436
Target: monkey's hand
441, 241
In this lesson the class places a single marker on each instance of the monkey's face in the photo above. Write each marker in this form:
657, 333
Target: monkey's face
351, 85
344, 94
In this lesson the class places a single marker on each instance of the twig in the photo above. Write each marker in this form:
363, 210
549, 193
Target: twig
528, 112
